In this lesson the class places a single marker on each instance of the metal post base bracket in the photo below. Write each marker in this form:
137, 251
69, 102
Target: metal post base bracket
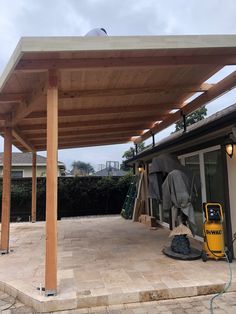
3, 252
50, 293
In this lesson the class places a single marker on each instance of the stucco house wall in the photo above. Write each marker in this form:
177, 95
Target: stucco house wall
204, 144
27, 171
231, 165
22, 162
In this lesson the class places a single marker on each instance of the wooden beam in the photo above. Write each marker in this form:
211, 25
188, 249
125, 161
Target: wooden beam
88, 130
3, 118
34, 187
147, 120
29, 104
85, 137
67, 145
155, 108
12, 97
51, 187
6, 191
214, 92
81, 140
119, 62
133, 91
108, 138
81, 133
21, 97
20, 138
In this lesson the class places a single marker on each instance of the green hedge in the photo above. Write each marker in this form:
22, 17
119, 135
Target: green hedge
77, 196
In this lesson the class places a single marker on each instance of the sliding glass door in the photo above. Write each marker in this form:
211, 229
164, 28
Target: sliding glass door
206, 166
193, 162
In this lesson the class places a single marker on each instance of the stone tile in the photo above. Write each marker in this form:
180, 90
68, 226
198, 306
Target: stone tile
99, 309
159, 286
88, 285
22, 310
80, 311
99, 291
6, 312
92, 301
209, 289
127, 311
182, 292
65, 274
123, 298
116, 307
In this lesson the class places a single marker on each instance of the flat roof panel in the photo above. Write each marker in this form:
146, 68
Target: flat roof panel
113, 78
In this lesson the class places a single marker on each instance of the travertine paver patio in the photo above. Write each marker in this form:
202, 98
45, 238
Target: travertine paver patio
224, 304
104, 261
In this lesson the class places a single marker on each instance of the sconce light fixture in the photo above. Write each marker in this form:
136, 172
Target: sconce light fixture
229, 148
141, 166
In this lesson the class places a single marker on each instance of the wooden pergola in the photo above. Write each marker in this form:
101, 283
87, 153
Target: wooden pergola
59, 93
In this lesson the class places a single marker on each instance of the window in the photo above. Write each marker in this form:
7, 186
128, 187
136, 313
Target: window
207, 167
214, 180
214, 176
17, 174
193, 162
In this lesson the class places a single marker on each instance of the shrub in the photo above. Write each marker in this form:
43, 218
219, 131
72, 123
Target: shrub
77, 196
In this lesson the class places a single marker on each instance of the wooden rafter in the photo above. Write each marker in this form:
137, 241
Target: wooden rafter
29, 104
83, 139
146, 122
13, 98
214, 92
94, 137
89, 130
162, 109
21, 139
78, 144
19, 97
132, 91
84, 63
95, 131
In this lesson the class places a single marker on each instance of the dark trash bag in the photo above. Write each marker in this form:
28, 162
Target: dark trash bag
180, 244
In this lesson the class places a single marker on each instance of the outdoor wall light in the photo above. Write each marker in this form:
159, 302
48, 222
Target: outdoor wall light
229, 148
141, 167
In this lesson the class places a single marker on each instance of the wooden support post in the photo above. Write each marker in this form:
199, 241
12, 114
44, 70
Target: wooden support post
6, 191
34, 187
51, 187
145, 189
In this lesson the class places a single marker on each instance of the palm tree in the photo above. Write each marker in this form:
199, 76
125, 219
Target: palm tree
80, 168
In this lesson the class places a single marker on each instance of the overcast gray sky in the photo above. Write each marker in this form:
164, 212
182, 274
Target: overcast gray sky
130, 17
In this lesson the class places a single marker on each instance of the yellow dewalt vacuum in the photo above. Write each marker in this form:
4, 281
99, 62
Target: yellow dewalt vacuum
213, 231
